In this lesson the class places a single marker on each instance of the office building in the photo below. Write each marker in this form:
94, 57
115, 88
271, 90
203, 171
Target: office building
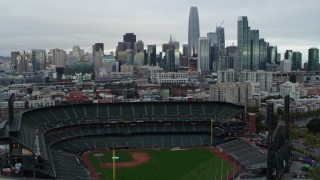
285, 65
185, 49
138, 59
263, 45
22, 61
313, 59
138, 46
77, 53
246, 93
244, 52
231, 52
220, 40
108, 65
59, 57
203, 55
296, 61
97, 55
170, 61
122, 46
213, 51
130, 37
288, 55
224, 76
193, 31
272, 55
152, 55
172, 77
38, 59
254, 50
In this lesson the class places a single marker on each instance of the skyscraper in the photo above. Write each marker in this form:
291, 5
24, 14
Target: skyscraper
23, 61
262, 54
220, 40
59, 57
296, 61
170, 61
244, 43
77, 53
14, 56
130, 37
272, 54
193, 31
214, 50
288, 55
231, 52
203, 55
38, 58
313, 59
97, 55
185, 49
138, 46
254, 50
152, 55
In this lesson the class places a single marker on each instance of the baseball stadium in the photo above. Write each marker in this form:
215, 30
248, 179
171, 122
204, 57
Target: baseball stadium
142, 140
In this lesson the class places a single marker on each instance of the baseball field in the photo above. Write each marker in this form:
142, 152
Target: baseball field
164, 164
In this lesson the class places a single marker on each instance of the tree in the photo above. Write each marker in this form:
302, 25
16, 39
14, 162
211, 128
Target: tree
316, 173
314, 126
261, 126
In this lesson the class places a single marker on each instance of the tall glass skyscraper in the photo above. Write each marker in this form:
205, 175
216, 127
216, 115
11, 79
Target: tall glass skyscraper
288, 55
296, 61
152, 55
313, 59
254, 50
262, 54
272, 54
193, 31
38, 59
203, 55
244, 43
213, 52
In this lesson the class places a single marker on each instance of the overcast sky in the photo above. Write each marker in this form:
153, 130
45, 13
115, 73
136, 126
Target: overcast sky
46, 24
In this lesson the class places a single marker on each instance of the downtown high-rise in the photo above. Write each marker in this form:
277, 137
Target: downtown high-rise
313, 59
244, 43
296, 61
38, 58
203, 55
254, 53
193, 31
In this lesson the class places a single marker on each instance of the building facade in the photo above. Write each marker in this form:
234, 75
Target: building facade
193, 31
172, 77
244, 43
313, 59
39, 58
203, 56
296, 61
235, 92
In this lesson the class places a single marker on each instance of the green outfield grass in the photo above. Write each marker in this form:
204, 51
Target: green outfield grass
189, 164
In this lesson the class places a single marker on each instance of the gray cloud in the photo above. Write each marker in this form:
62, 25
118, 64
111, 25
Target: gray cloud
289, 24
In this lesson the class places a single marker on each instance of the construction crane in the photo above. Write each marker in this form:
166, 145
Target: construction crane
222, 23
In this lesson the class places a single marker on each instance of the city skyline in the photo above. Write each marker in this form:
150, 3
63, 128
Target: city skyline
38, 25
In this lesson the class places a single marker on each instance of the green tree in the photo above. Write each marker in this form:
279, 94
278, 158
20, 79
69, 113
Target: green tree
260, 126
316, 173
314, 126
